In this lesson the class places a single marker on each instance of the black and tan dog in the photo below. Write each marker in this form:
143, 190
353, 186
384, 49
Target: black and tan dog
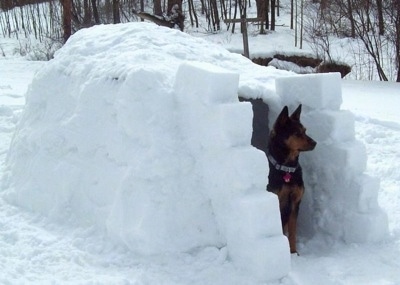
287, 139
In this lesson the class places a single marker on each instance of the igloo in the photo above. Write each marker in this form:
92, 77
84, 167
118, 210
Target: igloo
138, 131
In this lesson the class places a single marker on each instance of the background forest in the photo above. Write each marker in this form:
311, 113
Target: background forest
374, 23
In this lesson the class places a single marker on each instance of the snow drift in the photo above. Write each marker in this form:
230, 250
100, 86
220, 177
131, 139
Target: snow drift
138, 130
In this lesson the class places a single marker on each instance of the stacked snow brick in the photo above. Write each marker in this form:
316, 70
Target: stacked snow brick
340, 199
218, 127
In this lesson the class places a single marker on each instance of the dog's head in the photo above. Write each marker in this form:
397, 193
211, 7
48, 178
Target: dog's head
289, 131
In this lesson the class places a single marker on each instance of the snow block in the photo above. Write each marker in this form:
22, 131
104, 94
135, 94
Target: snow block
199, 88
241, 171
236, 122
368, 196
218, 126
316, 91
334, 126
259, 215
207, 83
361, 228
341, 199
162, 216
269, 256
348, 159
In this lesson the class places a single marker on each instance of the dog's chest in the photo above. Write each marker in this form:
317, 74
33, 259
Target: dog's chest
278, 178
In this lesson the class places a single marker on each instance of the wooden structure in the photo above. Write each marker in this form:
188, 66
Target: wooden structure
243, 21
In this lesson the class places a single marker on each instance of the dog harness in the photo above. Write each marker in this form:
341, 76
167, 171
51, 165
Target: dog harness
287, 169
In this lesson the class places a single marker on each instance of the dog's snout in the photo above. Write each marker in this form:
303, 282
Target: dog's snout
312, 143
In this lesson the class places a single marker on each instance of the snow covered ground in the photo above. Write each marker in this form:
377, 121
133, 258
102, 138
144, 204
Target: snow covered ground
36, 250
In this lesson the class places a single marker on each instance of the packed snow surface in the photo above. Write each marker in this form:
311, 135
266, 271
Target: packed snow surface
138, 153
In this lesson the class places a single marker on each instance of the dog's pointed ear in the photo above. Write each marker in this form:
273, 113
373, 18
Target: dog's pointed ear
296, 114
283, 116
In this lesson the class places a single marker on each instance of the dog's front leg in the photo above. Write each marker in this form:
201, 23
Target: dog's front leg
295, 198
292, 227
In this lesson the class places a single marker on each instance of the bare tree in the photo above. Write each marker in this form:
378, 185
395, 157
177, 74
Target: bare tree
351, 18
67, 16
261, 13
87, 14
273, 8
243, 15
116, 15
157, 8
215, 15
317, 33
192, 14
367, 33
95, 12
374, 23
291, 14
381, 22
210, 11
397, 39
393, 10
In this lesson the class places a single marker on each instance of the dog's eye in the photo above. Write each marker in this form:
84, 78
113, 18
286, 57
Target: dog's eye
300, 133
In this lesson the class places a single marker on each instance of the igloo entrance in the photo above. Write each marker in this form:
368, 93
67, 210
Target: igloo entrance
260, 124
340, 201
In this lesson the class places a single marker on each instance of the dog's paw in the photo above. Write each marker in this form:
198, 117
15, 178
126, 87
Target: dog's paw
294, 253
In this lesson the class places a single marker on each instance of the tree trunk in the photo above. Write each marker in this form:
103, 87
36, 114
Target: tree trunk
397, 37
157, 8
215, 14
175, 14
116, 16
242, 11
278, 11
259, 7
267, 14
324, 4
301, 23
351, 18
67, 15
246, 51
273, 8
192, 14
243, 26
292, 14
95, 12
87, 14
234, 16
381, 22
260, 4
171, 3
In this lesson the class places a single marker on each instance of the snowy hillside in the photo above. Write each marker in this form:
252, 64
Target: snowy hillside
141, 183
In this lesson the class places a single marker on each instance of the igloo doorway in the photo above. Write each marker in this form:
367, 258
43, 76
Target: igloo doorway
259, 138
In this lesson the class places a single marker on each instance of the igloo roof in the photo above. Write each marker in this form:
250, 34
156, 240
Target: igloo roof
113, 51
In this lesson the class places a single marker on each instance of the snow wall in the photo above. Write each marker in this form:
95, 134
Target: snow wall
341, 201
137, 130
